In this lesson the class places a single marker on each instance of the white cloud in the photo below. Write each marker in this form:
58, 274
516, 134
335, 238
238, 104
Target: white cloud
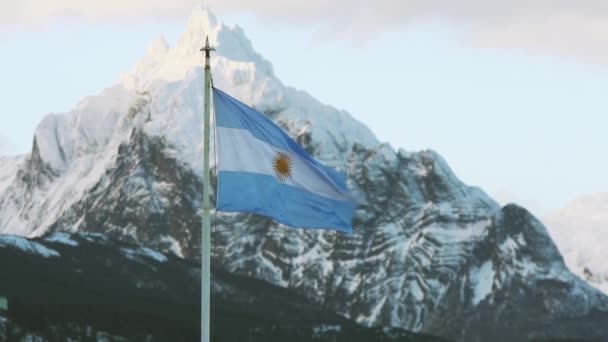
580, 231
571, 28
34, 13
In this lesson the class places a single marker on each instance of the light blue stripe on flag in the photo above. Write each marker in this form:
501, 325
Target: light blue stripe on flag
307, 195
263, 195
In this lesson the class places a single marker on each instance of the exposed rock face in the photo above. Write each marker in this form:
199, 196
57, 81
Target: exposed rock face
429, 253
533, 295
148, 188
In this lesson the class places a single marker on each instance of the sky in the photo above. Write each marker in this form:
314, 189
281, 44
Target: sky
512, 95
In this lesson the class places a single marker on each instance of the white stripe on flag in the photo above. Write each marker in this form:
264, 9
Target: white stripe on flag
239, 150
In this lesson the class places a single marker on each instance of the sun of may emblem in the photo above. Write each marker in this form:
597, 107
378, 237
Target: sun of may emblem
282, 166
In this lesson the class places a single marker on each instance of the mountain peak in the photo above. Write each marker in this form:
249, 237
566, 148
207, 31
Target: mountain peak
202, 23
234, 51
158, 48
202, 15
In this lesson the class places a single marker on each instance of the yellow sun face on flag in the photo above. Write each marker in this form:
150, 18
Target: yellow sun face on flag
282, 166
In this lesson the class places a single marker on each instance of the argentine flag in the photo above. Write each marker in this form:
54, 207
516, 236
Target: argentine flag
262, 170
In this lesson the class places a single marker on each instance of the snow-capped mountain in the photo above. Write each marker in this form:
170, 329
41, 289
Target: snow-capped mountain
580, 231
161, 98
429, 253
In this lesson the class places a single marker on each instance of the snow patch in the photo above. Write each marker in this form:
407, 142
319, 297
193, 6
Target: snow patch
135, 254
62, 238
27, 246
174, 245
351, 282
94, 237
508, 247
325, 328
416, 291
482, 278
373, 316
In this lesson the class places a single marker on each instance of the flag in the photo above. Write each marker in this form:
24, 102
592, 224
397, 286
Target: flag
262, 170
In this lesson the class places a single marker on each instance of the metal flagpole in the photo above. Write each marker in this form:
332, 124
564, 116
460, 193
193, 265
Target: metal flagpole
206, 229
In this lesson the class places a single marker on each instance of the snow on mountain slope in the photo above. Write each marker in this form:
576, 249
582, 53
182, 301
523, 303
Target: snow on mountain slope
580, 230
8, 165
533, 296
161, 97
172, 79
70, 152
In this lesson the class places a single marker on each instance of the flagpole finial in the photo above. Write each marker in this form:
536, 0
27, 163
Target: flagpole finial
207, 48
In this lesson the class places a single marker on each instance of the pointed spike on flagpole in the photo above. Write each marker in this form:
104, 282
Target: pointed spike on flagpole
207, 47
